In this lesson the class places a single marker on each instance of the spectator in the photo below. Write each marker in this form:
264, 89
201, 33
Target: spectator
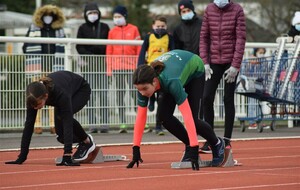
155, 44
41, 58
295, 27
187, 35
222, 45
257, 58
122, 59
93, 65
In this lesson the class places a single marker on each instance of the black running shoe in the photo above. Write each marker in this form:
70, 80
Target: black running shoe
205, 148
185, 156
218, 152
83, 150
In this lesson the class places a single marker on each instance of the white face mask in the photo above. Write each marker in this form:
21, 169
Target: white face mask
297, 27
221, 3
188, 16
120, 21
260, 55
92, 17
47, 19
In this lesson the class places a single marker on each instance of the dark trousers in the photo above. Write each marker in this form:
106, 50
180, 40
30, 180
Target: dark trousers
209, 97
174, 126
79, 100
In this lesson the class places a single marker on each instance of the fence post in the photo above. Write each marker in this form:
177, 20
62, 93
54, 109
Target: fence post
68, 57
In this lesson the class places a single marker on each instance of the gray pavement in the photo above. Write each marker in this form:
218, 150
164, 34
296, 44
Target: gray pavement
13, 140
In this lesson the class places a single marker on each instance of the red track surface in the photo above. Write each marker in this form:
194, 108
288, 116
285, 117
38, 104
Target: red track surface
267, 164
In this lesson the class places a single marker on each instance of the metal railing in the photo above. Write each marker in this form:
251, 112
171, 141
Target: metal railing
119, 94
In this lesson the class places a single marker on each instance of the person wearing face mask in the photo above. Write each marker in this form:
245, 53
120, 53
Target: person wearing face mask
41, 59
258, 57
187, 35
121, 59
93, 66
157, 42
295, 27
222, 45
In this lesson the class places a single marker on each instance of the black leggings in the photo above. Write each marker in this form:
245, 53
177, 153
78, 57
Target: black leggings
209, 97
174, 126
79, 100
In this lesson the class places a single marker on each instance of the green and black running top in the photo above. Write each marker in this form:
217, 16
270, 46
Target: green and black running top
180, 68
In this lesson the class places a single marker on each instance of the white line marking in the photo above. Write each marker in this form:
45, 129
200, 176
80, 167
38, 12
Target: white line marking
256, 186
150, 177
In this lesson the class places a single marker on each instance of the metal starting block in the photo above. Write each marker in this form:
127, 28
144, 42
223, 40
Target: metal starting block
228, 162
97, 157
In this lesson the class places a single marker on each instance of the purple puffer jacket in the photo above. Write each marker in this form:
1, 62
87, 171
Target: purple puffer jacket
223, 35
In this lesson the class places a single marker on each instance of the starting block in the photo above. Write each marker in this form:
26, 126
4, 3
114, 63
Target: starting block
97, 157
228, 162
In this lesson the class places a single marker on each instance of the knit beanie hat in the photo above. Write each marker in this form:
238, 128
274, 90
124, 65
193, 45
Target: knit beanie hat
296, 19
185, 4
121, 10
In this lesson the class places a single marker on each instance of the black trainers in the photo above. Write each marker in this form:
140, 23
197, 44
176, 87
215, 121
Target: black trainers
218, 152
205, 148
83, 149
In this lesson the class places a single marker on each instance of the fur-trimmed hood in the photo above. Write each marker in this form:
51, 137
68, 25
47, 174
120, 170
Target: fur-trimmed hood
56, 12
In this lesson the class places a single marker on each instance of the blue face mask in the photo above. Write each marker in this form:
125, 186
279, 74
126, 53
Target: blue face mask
188, 16
221, 3
297, 27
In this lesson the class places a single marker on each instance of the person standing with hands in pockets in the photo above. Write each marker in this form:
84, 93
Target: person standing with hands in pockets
177, 74
222, 45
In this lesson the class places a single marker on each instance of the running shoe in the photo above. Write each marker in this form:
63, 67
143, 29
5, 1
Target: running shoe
218, 152
84, 149
205, 148
123, 128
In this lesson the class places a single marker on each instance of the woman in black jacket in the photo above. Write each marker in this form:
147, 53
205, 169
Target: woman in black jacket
68, 93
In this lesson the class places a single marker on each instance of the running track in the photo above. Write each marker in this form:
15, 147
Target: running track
267, 164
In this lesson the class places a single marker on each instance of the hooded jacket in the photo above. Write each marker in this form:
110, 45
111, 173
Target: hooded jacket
223, 35
40, 29
95, 30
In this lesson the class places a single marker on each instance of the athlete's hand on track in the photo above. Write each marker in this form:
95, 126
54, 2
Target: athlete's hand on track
20, 160
194, 157
136, 159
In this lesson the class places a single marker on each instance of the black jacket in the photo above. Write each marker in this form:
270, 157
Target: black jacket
96, 30
66, 84
293, 32
187, 35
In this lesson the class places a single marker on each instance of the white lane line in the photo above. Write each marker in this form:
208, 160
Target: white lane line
147, 177
283, 185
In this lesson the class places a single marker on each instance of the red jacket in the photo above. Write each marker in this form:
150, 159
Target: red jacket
223, 35
122, 57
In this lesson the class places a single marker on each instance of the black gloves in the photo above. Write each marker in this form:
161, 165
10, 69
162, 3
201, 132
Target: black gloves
20, 160
193, 156
68, 161
136, 157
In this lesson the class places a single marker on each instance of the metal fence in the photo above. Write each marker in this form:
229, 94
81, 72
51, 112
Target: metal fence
113, 97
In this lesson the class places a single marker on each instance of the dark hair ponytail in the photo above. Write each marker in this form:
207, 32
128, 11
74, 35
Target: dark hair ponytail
158, 66
38, 90
145, 74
